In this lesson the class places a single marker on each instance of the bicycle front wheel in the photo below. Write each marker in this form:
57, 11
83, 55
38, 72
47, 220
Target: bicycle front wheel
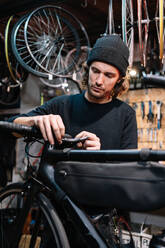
42, 227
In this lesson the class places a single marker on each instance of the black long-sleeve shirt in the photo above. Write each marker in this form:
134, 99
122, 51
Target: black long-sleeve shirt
113, 122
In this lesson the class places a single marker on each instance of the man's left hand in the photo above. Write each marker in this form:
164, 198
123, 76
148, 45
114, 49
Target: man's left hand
91, 143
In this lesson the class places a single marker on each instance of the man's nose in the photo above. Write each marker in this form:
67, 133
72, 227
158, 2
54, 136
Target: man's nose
100, 78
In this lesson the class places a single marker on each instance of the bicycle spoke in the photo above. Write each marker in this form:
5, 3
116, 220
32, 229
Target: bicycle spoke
20, 50
50, 33
143, 27
127, 27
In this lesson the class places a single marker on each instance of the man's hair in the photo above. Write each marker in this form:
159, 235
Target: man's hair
119, 89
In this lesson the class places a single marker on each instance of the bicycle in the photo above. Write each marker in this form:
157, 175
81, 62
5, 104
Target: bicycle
44, 212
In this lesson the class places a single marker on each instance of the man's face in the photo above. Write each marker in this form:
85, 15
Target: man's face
102, 79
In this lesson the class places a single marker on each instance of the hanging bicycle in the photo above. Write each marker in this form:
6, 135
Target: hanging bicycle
143, 29
159, 19
128, 27
17, 73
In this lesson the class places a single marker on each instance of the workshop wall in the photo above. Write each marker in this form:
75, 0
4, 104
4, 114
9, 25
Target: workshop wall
149, 105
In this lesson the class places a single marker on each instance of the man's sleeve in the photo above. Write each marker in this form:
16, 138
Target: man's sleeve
47, 108
129, 136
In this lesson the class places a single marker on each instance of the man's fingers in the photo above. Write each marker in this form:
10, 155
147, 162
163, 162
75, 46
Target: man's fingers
51, 126
48, 130
58, 127
92, 143
39, 123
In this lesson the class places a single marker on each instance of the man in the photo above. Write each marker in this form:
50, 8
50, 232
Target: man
96, 113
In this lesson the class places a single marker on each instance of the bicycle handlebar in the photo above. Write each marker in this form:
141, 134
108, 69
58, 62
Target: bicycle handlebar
20, 129
34, 132
84, 155
104, 155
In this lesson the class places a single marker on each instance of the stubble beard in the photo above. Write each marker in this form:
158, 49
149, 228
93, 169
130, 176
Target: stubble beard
94, 95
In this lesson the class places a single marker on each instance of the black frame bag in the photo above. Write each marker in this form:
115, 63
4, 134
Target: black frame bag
131, 186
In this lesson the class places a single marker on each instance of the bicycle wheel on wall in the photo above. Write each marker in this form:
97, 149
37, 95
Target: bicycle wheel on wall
17, 73
20, 50
159, 18
143, 28
128, 27
42, 227
60, 86
78, 69
50, 33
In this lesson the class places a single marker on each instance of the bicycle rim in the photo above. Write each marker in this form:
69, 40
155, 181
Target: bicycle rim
127, 27
111, 24
42, 227
161, 27
49, 35
159, 20
78, 69
143, 26
20, 50
10, 97
17, 73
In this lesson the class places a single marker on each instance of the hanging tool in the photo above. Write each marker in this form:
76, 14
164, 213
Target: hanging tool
155, 134
159, 115
148, 134
151, 135
141, 134
142, 110
160, 144
150, 115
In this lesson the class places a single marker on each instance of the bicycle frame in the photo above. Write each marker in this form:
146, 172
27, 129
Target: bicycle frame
42, 185
34, 188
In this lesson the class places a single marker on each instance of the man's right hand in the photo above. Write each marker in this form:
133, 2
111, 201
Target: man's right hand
49, 125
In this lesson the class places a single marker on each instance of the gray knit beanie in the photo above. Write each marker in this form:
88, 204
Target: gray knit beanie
111, 50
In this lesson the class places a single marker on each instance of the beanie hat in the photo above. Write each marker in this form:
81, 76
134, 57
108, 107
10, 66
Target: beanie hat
111, 50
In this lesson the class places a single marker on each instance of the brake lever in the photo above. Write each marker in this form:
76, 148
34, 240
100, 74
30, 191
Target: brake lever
74, 140
69, 142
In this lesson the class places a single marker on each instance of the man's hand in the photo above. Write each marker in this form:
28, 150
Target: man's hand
92, 143
49, 125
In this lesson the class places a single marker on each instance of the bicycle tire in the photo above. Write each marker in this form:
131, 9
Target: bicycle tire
110, 27
128, 27
143, 31
78, 70
68, 87
17, 73
159, 20
161, 28
9, 97
49, 36
20, 50
49, 231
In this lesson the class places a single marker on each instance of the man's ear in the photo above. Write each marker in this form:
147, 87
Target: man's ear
121, 80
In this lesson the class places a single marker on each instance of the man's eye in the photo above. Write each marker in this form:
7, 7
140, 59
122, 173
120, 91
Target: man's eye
108, 75
95, 70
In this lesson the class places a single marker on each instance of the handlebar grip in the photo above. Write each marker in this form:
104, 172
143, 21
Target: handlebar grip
21, 129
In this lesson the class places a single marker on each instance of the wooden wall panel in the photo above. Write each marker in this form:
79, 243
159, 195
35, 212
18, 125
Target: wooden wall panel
149, 133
